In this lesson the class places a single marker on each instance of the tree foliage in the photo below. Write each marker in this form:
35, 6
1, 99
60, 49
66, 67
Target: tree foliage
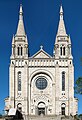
0, 115
78, 86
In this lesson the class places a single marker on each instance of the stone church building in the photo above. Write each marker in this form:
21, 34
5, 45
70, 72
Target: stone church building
41, 84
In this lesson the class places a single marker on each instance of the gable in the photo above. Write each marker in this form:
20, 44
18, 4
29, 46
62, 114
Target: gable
41, 54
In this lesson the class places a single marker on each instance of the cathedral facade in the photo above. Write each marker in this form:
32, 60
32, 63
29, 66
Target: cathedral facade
42, 84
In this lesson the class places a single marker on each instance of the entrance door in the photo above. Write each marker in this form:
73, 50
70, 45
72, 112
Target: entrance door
41, 111
41, 108
63, 109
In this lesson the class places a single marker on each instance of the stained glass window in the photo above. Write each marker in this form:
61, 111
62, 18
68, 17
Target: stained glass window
19, 81
41, 83
63, 81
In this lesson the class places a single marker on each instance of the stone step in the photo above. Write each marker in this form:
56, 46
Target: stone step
50, 118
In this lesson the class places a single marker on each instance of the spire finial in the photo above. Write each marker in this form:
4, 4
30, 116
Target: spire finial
61, 12
21, 13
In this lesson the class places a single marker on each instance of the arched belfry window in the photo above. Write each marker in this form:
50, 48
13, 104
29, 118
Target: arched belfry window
18, 51
64, 51
63, 81
60, 50
19, 81
21, 50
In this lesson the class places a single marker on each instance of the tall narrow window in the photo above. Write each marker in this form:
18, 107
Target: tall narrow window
60, 50
21, 50
63, 50
63, 81
19, 81
18, 51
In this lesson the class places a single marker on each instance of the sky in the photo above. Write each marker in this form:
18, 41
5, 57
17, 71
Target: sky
41, 19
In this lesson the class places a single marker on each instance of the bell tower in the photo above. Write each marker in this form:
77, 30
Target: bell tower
19, 68
64, 69
19, 41
62, 45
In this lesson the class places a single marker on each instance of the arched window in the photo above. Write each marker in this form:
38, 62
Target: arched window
21, 50
19, 81
18, 51
64, 51
60, 50
63, 109
63, 81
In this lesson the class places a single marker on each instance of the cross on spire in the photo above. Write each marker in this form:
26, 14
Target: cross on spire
21, 12
41, 47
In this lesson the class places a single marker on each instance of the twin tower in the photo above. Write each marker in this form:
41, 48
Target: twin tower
41, 84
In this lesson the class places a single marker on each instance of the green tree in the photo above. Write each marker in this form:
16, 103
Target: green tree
0, 115
78, 86
80, 116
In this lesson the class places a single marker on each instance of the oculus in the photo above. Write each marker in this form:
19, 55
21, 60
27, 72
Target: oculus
41, 83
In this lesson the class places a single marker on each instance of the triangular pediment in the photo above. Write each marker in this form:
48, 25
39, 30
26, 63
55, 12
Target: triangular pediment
41, 54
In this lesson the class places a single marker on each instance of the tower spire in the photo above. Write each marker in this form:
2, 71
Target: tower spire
61, 27
61, 12
21, 13
20, 29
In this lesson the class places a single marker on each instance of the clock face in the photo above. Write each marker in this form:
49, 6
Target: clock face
41, 83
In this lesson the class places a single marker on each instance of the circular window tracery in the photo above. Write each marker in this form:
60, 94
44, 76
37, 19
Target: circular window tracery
41, 83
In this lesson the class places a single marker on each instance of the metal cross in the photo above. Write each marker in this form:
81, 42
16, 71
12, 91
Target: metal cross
41, 47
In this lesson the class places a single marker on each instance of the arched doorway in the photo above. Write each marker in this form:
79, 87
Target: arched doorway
19, 107
41, 108
63, 109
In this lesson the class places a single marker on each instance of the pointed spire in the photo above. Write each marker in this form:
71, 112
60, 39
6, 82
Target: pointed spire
20, 29
21, 13
61, 27
61, 12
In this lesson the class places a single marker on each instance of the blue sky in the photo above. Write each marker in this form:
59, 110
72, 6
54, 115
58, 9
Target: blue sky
41, 19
